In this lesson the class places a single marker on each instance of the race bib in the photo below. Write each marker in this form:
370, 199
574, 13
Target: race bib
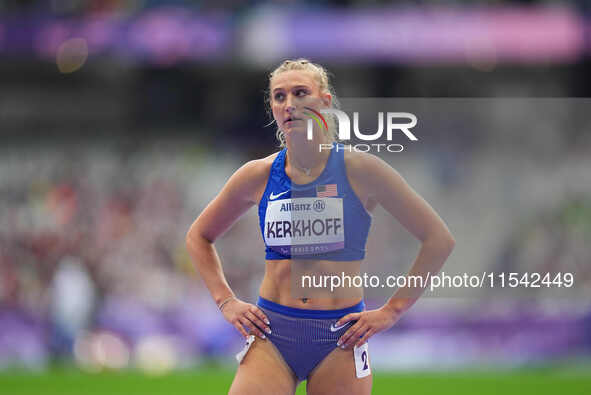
305, 226
249, 341
361, 355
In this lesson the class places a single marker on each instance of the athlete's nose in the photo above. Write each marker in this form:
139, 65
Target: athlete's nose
289, 106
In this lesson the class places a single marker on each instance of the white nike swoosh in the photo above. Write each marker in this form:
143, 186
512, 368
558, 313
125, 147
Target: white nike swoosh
336, 328
272, 196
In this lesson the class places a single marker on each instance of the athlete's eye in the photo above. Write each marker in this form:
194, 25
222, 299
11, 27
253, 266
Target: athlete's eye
301, 92
279, 96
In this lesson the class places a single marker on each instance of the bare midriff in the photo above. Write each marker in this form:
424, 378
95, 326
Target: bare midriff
277, 283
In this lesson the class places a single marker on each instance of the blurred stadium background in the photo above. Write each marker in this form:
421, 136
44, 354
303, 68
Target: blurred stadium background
121, 119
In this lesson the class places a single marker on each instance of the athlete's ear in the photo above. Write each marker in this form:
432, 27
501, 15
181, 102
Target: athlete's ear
327, 99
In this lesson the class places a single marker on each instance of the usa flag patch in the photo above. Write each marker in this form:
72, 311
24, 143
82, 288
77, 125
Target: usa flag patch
327, 190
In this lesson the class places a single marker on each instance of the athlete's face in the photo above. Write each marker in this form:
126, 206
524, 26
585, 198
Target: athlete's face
291, 92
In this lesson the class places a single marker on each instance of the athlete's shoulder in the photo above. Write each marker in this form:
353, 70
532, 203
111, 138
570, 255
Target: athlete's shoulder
256, 171
258, 168
359, 164
372, 174
250, 179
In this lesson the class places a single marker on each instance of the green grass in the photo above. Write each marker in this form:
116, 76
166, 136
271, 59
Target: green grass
66, 381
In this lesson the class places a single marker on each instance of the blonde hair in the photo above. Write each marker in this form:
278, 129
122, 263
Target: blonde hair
322, 78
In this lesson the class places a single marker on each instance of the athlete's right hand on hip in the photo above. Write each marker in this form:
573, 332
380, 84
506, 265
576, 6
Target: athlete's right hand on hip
242, 314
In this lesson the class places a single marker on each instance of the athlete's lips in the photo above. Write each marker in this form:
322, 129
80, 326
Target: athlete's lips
291, 119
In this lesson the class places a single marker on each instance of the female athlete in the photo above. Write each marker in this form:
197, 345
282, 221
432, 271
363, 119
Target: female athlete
314, 207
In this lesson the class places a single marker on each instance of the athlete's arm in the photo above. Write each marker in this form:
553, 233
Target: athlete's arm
235, 198
387, 187
391, 191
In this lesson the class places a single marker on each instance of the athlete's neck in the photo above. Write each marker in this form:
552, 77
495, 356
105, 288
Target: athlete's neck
305, 158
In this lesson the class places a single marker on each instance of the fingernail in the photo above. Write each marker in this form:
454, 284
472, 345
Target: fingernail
267, 322
339, 343
263, 337
268, 330
343, 346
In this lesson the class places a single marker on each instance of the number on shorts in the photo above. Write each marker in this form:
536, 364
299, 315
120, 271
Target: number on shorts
364, 359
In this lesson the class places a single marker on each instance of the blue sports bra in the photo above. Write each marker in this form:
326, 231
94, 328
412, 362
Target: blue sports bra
321, 220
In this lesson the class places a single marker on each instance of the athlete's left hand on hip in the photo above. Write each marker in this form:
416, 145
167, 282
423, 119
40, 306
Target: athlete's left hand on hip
368, 324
